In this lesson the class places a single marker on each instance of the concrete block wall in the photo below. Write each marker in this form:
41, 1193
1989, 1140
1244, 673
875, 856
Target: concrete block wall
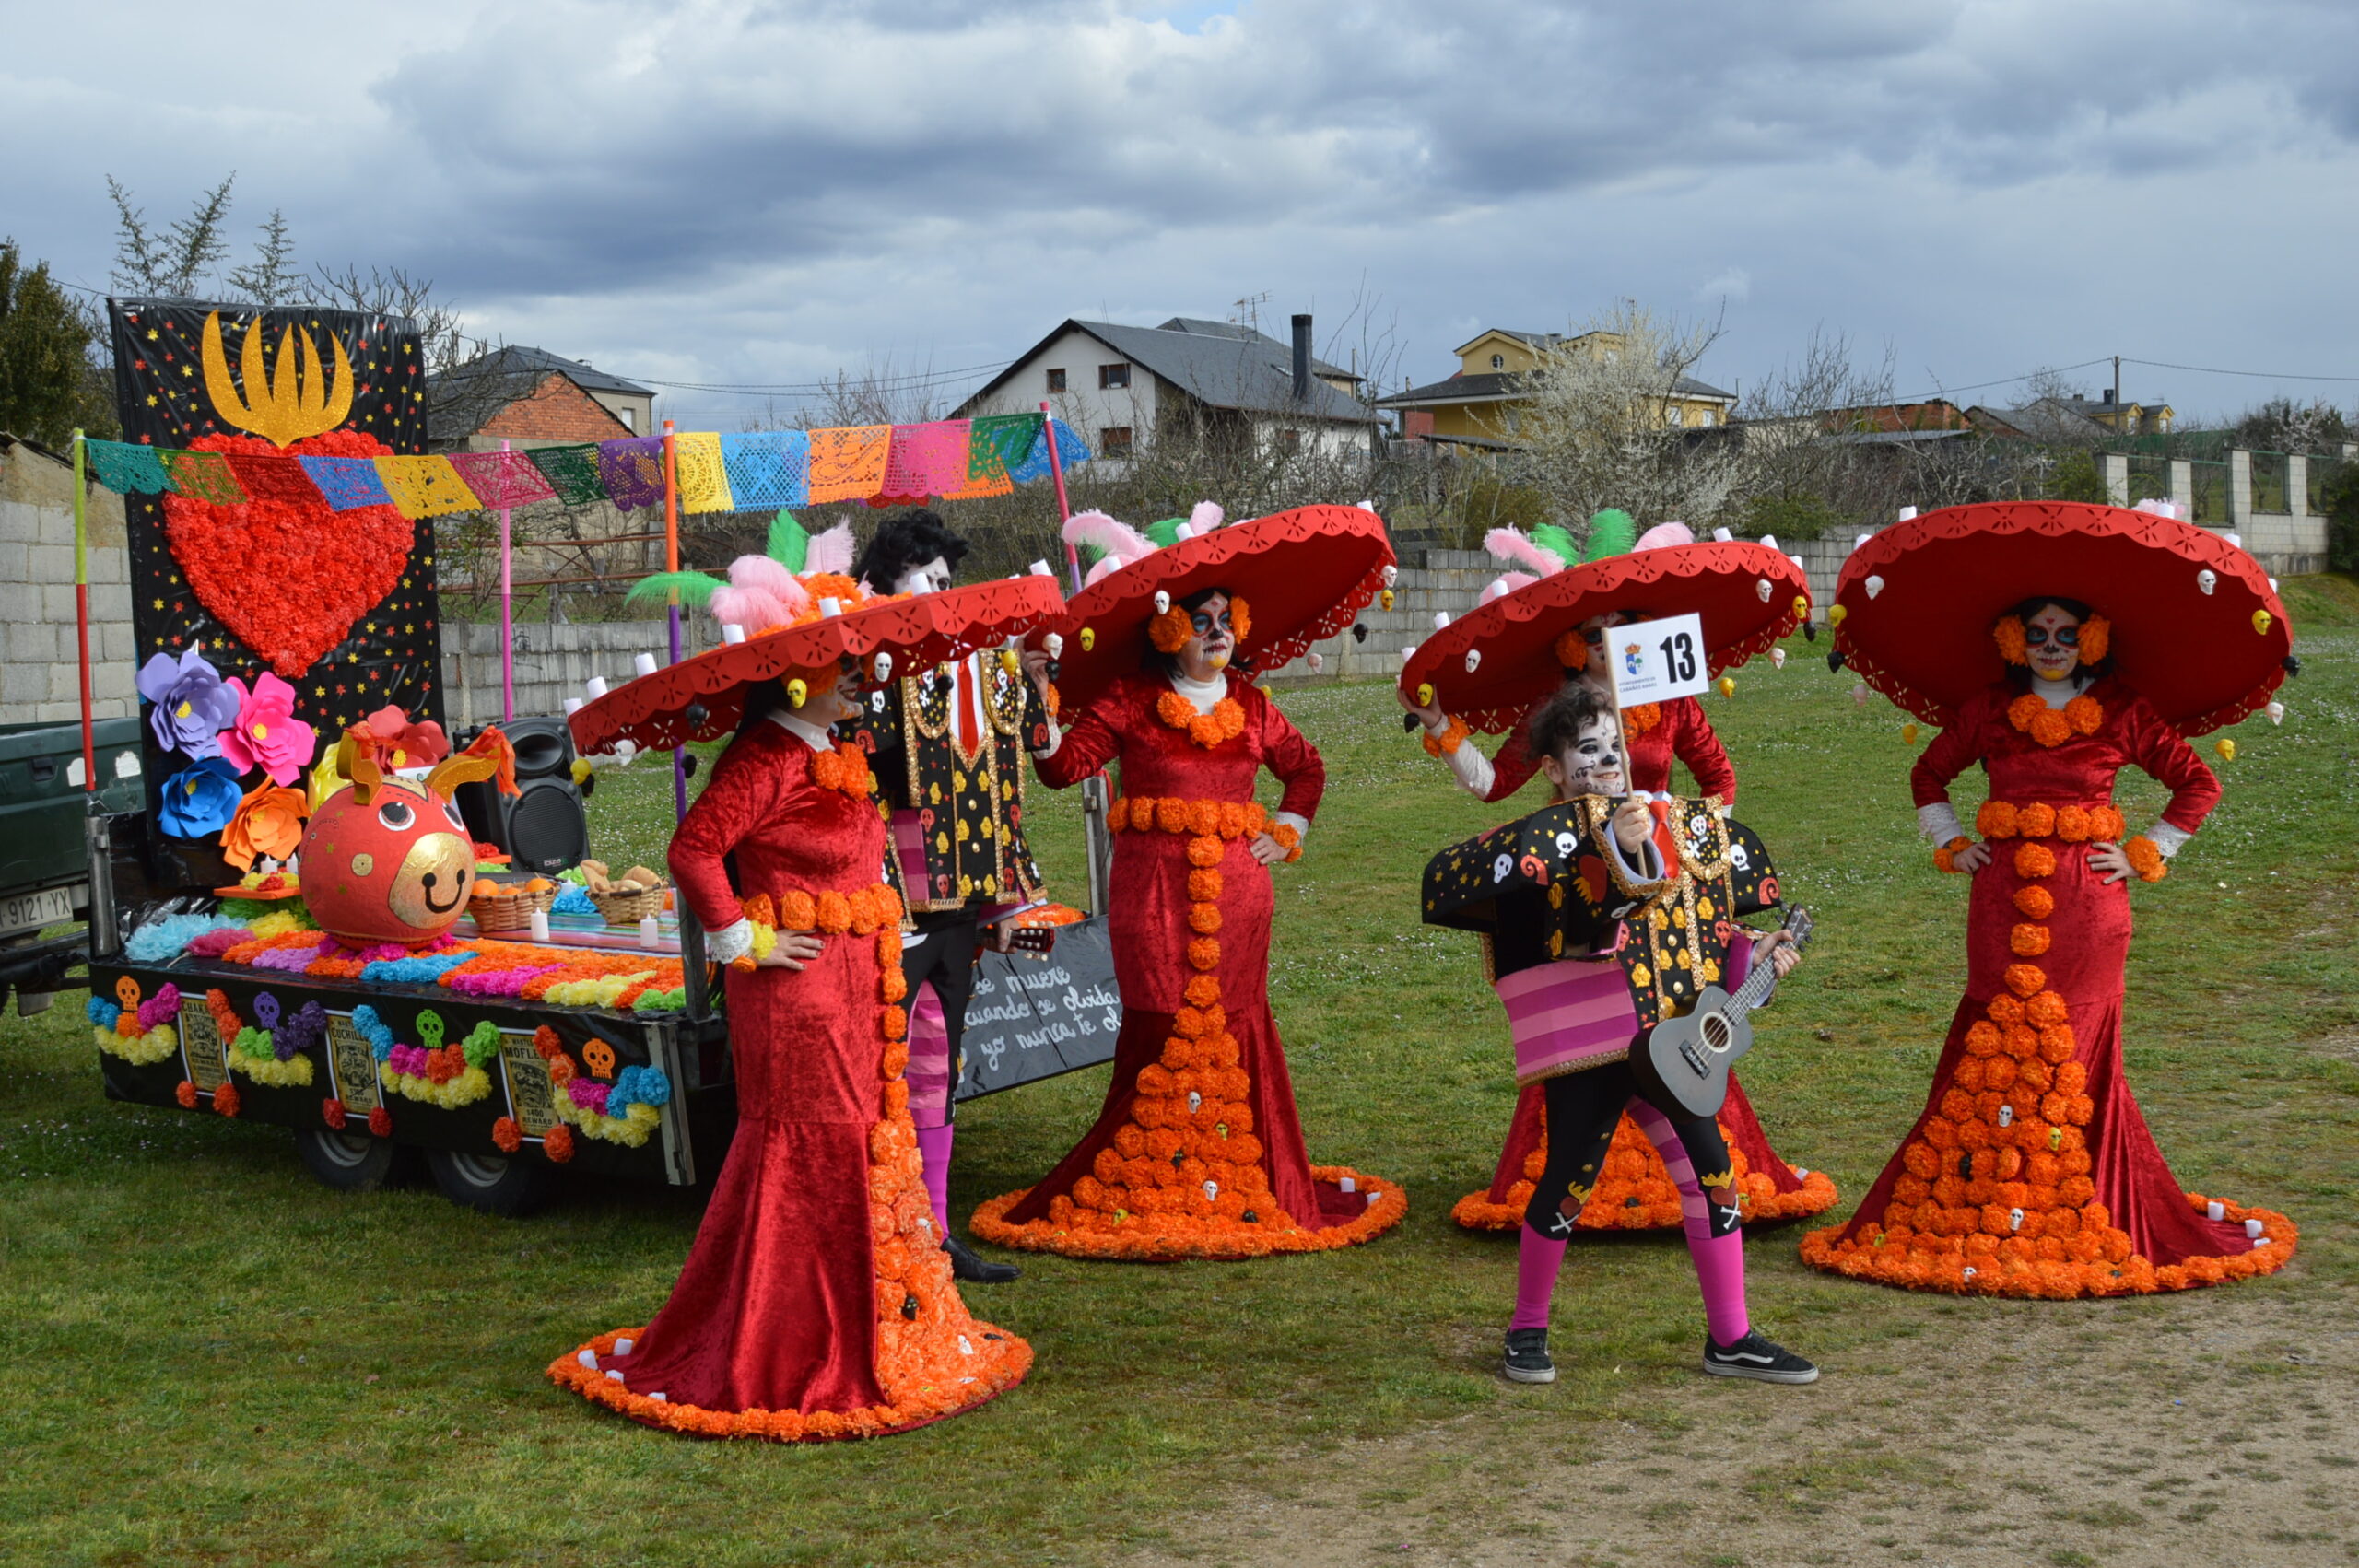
552, 662
39, 661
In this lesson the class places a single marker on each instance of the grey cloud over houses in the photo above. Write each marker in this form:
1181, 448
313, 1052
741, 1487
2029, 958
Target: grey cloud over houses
762, 191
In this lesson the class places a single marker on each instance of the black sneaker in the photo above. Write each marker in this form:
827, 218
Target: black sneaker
1756, 1358
1526, 1360
970, 1266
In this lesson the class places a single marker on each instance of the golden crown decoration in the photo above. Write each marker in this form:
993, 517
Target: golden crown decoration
282, 403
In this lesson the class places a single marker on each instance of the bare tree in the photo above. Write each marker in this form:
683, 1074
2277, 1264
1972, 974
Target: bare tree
172, 263
1596, 430
272, 278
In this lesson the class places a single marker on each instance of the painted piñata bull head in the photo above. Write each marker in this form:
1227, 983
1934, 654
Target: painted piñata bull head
389, 860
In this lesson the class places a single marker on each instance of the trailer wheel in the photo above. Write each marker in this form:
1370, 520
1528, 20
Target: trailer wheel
349, 1162
492, 1183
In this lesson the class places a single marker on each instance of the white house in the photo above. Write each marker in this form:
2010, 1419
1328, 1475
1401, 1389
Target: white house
1124, 387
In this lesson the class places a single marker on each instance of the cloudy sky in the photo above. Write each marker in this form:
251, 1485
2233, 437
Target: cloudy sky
734, 191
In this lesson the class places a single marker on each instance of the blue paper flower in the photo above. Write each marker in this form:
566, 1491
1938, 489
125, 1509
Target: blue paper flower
188, 706
200, 801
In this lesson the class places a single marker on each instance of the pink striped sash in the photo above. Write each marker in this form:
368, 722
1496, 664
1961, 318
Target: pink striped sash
909, 842
1567, 1015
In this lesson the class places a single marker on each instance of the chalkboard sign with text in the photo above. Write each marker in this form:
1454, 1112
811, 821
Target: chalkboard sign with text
1034, 1017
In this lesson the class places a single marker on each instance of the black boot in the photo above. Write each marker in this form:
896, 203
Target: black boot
967, 1264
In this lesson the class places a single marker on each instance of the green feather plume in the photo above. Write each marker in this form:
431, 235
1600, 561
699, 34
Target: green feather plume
693, 588
1165, 534
790, 542
1611, 532
1557, 541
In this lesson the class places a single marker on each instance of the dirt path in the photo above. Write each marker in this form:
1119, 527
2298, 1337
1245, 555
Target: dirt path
2220, 1427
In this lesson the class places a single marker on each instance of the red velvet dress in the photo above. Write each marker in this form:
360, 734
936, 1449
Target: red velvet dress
1198, 1152
1636, 1190
2031, 1172
817, 1301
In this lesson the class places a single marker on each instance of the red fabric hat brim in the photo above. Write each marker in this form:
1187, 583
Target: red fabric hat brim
655, 710
1304, 575
1923, 638
1517, 632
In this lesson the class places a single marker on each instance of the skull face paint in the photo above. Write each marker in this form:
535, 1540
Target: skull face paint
1593, 764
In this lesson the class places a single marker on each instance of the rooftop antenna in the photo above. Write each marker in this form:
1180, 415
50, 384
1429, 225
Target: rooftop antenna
1247, 312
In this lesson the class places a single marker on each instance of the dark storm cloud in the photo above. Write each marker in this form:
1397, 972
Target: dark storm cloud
725, 190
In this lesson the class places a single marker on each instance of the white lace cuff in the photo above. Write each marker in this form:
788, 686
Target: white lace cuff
1469, 766
1301, 824
1938, 823
730, 942
2168, 839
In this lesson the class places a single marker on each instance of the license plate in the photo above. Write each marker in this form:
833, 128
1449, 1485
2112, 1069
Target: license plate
49, 906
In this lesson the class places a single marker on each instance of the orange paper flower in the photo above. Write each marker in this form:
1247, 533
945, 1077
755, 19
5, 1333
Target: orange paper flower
269, 821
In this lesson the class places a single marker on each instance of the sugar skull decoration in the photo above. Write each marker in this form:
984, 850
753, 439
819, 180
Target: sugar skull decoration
389, 860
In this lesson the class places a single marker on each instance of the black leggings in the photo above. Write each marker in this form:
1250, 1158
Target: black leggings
946, 958
1583, 1108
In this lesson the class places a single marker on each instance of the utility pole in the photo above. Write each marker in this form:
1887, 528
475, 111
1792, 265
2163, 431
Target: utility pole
2118, 398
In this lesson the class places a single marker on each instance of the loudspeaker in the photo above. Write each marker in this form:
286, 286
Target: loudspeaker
543, 828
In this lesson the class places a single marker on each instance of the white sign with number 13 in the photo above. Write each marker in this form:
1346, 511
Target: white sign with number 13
1656, 660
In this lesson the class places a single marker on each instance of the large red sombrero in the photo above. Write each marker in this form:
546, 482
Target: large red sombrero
703, 698
1915, 604
1304, 575
1748, 595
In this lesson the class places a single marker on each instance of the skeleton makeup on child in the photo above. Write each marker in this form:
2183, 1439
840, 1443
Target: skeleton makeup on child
1591, 764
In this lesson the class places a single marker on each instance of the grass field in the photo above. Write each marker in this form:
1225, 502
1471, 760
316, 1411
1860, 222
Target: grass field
210, 1359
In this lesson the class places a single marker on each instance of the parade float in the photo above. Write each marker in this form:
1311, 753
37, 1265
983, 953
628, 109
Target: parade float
303, 925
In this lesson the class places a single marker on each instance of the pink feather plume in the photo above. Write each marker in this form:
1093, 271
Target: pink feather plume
830, 552
1665, 533
1506, 583
1120, 542
1513, 544
1206, 516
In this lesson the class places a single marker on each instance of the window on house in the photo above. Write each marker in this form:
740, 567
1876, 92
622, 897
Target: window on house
1703, 416
1499, 361
1113, 378
1114, 440
1057, 378
1675, 414
630, 416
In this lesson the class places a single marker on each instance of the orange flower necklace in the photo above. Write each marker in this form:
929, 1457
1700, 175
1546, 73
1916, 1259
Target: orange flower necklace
845, 769
1636, 721
1225, 722
2030, 713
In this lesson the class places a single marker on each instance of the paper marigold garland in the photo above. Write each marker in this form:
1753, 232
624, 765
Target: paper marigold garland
1185, 1176
1635, 1190
1996, 1195
931, 1357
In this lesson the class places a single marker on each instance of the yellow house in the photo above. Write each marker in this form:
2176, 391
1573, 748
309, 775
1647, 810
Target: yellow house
1480, 404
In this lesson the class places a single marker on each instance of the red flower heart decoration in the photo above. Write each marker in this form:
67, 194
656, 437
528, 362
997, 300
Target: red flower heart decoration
288, 578
1593, 878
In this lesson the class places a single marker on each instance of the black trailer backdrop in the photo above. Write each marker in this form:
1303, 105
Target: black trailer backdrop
392, 653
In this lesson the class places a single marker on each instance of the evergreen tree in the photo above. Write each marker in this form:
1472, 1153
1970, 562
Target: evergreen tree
49, 382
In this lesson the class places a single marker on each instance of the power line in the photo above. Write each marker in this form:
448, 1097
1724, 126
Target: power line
820, 388
2011, 381
2208, 370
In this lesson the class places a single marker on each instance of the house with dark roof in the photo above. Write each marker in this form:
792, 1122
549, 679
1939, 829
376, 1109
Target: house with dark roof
530, 397
1124, 387
1481, 403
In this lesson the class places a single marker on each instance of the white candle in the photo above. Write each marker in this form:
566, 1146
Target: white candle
540, 925
647, 937
644, 663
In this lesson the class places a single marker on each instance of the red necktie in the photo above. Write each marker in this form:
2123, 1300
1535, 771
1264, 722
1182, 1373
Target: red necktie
1666, 841
969, 720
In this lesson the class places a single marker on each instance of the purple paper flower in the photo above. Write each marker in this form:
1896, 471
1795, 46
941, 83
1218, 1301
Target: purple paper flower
188, 706
200, 799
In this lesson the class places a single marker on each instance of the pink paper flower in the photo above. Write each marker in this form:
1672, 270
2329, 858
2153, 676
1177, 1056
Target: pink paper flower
267, 735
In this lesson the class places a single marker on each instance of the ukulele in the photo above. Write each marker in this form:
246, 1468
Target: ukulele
1684, 1061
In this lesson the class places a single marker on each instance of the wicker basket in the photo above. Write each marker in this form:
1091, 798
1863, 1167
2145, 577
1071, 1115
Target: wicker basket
510, 909
629, 908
